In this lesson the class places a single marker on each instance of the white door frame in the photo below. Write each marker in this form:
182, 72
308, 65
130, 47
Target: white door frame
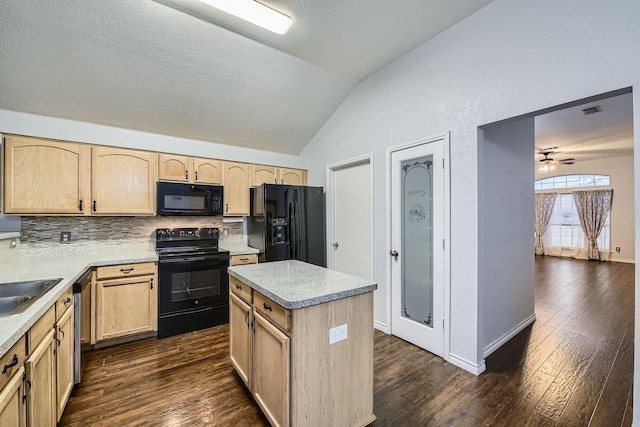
446, 232
330, 238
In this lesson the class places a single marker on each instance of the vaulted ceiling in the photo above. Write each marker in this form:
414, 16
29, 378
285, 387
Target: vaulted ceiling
181, 68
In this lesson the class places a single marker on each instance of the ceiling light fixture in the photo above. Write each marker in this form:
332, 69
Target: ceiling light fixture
546, 167
254, 12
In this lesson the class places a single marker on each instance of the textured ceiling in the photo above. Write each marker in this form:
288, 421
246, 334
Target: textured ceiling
179, 68
608, 133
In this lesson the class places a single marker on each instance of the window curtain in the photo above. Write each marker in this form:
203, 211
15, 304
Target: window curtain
544, 206
593, 207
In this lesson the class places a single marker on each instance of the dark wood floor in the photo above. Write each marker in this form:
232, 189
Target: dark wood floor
572, 367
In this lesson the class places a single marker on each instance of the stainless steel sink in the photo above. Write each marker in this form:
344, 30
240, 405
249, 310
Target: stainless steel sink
18, 296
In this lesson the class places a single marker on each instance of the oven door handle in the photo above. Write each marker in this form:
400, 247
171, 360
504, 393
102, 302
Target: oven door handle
189, 259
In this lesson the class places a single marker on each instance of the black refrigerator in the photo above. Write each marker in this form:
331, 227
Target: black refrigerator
287, 222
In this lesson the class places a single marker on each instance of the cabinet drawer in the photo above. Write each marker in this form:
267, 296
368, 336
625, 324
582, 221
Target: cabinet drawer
240, 289
125, 270
271, 310
64, 303
17, 352
244, 259
41, 329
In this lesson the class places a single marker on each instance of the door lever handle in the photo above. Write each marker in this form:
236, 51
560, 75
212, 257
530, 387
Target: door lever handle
394, 254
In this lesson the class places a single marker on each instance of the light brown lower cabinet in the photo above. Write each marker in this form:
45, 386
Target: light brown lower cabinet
271, 371
64, 360
285, 359
125, 301
40, 381
12, 411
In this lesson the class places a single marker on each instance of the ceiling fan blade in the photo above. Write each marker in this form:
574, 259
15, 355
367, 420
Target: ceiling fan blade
568, 161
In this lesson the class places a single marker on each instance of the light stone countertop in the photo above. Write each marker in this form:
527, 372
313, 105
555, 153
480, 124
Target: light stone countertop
237, 247
296, 284
66, 263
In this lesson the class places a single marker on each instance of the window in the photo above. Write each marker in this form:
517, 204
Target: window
564, 229
572, 181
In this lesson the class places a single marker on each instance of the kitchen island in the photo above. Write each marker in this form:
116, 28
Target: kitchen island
301, 339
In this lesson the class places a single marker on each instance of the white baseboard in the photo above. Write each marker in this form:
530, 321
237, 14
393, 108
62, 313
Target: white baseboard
506, 337
465, 364
381, 327
628, 261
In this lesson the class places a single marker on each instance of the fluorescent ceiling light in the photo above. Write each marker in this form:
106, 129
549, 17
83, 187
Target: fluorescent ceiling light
254, 12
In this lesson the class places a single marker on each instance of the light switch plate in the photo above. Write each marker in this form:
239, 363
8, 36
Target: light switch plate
337, 334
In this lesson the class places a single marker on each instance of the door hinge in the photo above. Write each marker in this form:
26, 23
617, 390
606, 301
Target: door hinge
443, 163
442, 243
443, 323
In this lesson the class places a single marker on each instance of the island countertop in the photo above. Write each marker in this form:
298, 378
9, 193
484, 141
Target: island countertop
296, 284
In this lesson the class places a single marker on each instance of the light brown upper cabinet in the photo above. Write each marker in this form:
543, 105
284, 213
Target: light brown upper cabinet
43, 176
189, 169
122, 181
235, 179
261, 174
292, 176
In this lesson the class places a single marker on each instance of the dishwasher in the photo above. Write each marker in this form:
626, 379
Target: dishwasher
80, 287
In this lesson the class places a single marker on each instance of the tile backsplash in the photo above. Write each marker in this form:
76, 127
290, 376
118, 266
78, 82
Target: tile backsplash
40, 231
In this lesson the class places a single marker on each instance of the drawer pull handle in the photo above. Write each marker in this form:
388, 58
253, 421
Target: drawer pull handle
94, 206
67, 301
238, 287
26, 390
80, 205
244, 259
61, 339
126, 270
13, 363
266, 307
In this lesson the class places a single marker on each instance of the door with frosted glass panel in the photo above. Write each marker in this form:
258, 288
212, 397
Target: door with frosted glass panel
417, 254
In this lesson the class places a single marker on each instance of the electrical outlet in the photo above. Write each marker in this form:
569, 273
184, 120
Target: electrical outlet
618, 249
337, 334
65, 237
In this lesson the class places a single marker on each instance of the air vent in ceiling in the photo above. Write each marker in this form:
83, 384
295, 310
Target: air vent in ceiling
591, 110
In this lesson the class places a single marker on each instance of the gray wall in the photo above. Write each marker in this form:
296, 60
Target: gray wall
511, 58
506, 279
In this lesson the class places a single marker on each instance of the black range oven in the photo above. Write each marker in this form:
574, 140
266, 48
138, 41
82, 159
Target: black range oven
193, 283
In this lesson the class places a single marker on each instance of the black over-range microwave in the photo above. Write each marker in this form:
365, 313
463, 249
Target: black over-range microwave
189, 199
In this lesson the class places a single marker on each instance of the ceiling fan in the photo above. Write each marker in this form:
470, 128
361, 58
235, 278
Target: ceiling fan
549, 164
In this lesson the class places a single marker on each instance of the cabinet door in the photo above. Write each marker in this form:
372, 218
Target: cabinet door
12, 411
122, 181
207, 171
261, 174
236, 189
271, 371
44, 177
292, 177
240, 338
41, 393
174, 168
64, 360
125, 307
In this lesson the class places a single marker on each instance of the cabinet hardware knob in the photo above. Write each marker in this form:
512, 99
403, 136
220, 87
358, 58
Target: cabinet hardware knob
238, 287
186, 173
61, 339
394, 254
244, 259
94, 206
267, 307
275, 180
13, 363
126, 270
227, 207
80, 205
196, 175
66, 301
26, 391
151, 280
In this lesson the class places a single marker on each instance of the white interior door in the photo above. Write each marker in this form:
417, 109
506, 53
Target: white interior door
351, 219
417, 253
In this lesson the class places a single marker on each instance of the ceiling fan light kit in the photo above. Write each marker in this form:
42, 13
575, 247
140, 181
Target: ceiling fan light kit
548, 164
254, 12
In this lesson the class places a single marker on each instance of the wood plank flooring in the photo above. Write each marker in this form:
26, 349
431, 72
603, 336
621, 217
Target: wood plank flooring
572, 367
